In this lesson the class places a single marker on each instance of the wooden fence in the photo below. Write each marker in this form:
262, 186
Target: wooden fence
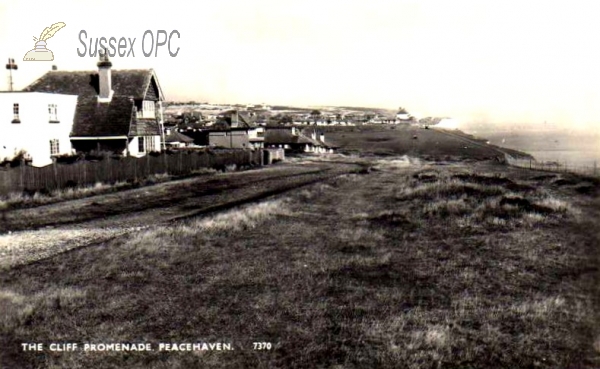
554, 166
111, 170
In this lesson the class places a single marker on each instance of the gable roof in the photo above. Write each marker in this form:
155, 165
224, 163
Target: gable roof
239, 119
106, 119
282, 136
129, 82
115, 118
175, 136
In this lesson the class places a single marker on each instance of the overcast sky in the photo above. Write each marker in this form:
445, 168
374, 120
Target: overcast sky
497, 61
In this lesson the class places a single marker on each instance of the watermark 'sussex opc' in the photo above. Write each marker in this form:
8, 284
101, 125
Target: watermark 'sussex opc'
124, 47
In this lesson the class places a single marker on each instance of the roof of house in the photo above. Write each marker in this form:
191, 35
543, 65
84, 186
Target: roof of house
239, 119
115, 118
175, 136
285, 137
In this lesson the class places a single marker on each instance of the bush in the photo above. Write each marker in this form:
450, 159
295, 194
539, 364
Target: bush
22, 158
69, 158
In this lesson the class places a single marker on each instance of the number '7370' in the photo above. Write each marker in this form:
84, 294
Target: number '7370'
261, 345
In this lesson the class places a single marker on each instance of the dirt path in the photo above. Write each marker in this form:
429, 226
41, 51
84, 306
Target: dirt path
37, 233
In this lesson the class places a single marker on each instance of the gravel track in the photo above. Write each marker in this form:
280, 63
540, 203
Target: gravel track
37, 233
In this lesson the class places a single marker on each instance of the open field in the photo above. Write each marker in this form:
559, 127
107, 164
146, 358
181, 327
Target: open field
407, 264
433, 144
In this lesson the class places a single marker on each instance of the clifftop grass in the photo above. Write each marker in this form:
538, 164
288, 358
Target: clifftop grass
412, 266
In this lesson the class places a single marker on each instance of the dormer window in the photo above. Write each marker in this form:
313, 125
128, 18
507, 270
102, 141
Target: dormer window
148, 109
53, 113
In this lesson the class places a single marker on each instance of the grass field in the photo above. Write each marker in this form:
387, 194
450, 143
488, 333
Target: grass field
407, 265
432, 144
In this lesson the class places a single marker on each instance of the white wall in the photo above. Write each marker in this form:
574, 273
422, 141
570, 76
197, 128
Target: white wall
253, 133
34, 132
134, 147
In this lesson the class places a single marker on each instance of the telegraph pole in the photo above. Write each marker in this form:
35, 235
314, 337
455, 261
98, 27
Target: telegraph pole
11, 66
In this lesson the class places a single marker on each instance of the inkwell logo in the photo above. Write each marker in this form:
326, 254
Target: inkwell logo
40, 53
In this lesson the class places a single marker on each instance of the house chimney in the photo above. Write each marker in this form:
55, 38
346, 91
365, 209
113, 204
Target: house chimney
104, 75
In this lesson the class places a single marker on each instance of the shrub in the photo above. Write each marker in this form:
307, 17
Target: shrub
22, 158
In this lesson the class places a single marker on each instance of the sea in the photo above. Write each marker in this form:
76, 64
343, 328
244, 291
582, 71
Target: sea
561, 146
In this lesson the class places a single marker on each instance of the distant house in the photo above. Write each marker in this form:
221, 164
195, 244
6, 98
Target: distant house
403, 116
236, 129
177, 139
294, 140
118, 111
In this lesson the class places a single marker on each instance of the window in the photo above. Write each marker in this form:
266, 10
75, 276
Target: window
150, 144
54, 149
146, 144
16, 113
148, 109
141, 147
53, 113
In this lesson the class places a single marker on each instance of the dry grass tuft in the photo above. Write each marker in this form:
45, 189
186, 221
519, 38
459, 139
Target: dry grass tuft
540, 308
22, 199
445, 188
558, 206
445, 208
240, 219
360, 235
18, 309
399, 163
244, 218
476, 201
435, 337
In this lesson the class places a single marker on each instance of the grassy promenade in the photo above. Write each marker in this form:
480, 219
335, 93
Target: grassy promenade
407, 264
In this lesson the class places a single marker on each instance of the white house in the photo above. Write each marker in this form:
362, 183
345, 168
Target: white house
292, 139
403, 117
36, 123
104, 110
256, 136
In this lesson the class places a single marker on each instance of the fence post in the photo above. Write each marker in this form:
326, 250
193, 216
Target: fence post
179, 158
55, 171
22, 170
84, 166
107, 159
529, 163
166, 162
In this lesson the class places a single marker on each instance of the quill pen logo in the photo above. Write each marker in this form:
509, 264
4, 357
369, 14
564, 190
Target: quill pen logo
40, 53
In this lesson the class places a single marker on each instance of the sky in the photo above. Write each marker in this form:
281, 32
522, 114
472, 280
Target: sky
476, 61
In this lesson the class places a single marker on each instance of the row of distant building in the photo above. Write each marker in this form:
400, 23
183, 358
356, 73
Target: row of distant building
122, 111
206, 115
237, 129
